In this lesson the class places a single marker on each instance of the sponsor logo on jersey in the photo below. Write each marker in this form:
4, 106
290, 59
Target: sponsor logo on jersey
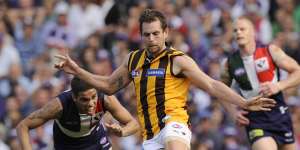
239, 72
288, 134
289, 140
103, 140
160, 72
135, 73
283, 109
177, 126
256, 133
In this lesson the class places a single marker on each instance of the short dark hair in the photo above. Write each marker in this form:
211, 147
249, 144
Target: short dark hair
150, 15
79, 85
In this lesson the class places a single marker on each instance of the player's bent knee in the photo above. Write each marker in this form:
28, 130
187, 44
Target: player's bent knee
265, 143
176, 143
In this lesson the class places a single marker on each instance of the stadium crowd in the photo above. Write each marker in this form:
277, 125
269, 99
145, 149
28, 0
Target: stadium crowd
100, 33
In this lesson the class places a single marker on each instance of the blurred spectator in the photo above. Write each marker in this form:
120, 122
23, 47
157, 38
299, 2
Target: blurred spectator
261, 24
29, 45
87, 18
134, 27
13, 115
3, 145
16, 77
58, 33
25, 10
174, 20
120, 50
204, 131
191, 14
178, 42
44, 77
88, 54
198, 48
8, 55
223, 29
103, 65
200, 99
231, 139
3, 10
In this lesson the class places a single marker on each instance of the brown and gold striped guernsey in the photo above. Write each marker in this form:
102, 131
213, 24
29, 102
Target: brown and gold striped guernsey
161, 95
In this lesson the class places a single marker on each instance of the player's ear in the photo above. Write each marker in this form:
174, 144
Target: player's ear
166, 31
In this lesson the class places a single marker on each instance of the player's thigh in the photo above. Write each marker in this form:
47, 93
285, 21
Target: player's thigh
152, 144
265, 143
291, 146
176, 144
176, 136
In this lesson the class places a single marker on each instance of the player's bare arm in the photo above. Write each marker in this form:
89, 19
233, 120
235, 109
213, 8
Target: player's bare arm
237, 115
285, 62
37, 118
108, 84
225, 77
128, 124
187, 66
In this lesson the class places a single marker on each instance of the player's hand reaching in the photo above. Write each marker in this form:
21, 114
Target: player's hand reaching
114, 128
241, 119
259, 103
65, 63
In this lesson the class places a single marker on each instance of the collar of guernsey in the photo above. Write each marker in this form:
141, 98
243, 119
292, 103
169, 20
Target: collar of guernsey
161, 95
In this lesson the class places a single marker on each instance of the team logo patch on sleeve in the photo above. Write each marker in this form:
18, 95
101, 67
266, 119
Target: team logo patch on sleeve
262, 64
160, 72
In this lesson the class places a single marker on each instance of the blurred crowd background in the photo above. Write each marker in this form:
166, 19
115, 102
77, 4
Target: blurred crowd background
100, 33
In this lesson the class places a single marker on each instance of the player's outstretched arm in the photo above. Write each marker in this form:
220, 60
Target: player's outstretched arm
108, 84
37, 118
184, 64
128, 124
226, 79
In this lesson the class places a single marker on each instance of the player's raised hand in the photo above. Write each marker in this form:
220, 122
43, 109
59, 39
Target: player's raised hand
65, 63
114, 128
260, 103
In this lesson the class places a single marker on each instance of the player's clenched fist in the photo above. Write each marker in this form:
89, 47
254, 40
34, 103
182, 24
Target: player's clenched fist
115, 129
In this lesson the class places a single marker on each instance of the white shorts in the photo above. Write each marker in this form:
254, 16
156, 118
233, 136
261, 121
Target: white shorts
172, 131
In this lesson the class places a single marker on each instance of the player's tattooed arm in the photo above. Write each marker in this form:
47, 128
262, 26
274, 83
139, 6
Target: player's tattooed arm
119, 78
120, 82
51, 110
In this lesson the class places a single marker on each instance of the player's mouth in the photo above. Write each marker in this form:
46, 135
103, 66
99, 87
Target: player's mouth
90, 111
151, 46
240, 38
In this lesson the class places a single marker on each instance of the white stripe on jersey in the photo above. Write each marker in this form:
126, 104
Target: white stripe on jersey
252, 76
87, 125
